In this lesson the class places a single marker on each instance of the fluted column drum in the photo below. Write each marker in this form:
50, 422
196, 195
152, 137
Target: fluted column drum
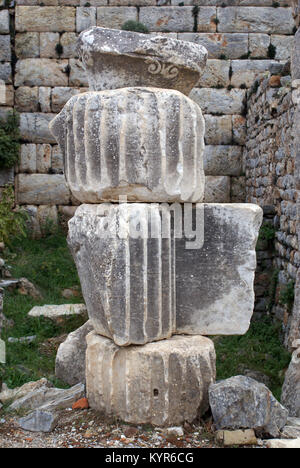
145, 143
126, 264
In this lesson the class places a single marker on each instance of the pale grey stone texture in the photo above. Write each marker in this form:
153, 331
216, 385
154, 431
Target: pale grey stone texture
218, 129
4, 22
136, 273
163, 383
212, 299
114, 17
145, 149
229, 46
85, 18
70, 357
244, 72
41, 72
27, 45
217, 189
258, 20
39, 421
223, 160
219, 101
216, 74
117, 59
34, 127
5, 49
42, 189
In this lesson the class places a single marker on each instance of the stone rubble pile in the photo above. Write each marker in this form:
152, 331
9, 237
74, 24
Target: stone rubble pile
154, 276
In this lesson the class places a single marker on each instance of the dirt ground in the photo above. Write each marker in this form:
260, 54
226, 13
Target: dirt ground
86, 429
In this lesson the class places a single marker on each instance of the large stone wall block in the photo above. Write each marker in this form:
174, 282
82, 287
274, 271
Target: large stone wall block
268, 20
41, 189
223, 160
214, 283
217, 189
125, 260
220, 46
145, 143
45, 18
34, 127
244, 72
219, 101
114, 17
117, 59
163, 383
41, 72
178, 18
4, 22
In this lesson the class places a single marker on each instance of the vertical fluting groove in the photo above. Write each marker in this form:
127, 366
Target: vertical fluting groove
159, 240
194, 151
145, 277
103, 142
70, 149
200, 131
92, 141
78, 119
181, 141
127, 285
122, 173
163, 144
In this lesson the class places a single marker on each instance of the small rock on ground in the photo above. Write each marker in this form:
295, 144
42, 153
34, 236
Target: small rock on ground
39, 421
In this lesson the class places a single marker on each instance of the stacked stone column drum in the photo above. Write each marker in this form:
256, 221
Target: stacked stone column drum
149, 297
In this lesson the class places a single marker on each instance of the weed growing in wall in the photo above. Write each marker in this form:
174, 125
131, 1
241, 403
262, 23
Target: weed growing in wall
136, 26
287, 295
9, 140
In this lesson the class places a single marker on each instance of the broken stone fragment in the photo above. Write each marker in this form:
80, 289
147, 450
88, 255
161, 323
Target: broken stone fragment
283, 443
49, 399
39, 421
116, 59
163, 383
57, 311
126, 270
214, 278
70, 358
241, 402
238, 437
8, 394
143, 143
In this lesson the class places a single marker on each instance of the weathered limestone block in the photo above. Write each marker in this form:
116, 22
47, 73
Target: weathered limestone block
41, 72
259, 45
77, 74
290, 396
5, 50
230, 46
223, 160
238, 190
283, 45
257, 20
27, 45
163, 383
145, 143
70, 358
117, 59
218, 130
295, 62
110, 17
26, 99
68, 41
217, 189
36, 189
4, 22
244, 72
45, 98
48, 42
242, 402
216, 74
45, 18
27, 161
5, 72
85, 18
214, 283
239, 129
219, 101
178, 18
127, 279
61, 94
43, 158
34, 127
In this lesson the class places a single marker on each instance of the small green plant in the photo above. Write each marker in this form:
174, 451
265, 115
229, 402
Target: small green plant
216, 20
267, 232
243, 86
135, 26
272, 289
271, 51
230, 72
12, 221
223, 57
287, 295
195, 13
276, 4
9, 140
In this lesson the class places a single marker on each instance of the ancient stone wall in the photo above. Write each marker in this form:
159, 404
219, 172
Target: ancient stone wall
269, 161
41, 71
